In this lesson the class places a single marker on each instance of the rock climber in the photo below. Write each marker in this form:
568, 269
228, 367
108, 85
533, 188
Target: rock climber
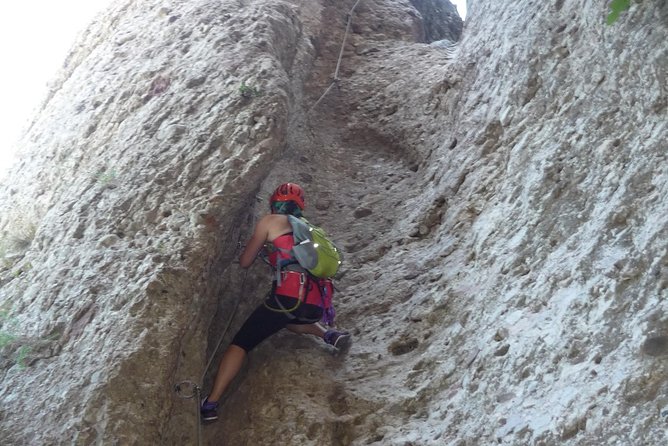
290, 304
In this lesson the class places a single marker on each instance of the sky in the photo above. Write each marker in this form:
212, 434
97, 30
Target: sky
461, 7
35, 36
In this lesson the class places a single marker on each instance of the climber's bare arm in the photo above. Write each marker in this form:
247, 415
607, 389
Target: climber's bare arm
255, 243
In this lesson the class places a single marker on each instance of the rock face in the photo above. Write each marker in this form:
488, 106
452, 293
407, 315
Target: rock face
440, 20
501, 207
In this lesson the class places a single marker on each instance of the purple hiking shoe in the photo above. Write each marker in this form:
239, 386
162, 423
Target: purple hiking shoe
340, 340
208, 410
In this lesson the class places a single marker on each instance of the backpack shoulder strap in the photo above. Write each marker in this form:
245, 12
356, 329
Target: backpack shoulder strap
301, 228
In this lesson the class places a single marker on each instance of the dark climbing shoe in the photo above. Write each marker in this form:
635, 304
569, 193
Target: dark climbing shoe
340, 340
209, 411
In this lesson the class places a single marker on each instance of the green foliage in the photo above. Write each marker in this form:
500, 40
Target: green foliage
9, 339
6, 322
17, 236
22, 269
616, 8
4, 263
107, 177
21, 234
249, 92
6, 338
21, 356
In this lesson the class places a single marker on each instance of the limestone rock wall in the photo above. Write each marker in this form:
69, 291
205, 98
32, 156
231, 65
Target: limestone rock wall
500, 206
138, 175
440, 20
527, 279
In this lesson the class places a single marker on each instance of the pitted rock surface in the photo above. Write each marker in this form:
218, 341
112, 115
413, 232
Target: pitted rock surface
500, 204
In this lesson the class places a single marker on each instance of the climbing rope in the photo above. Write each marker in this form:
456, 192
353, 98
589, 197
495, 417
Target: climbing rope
196, 392
227, 326
188, 389
195, 389
338, 63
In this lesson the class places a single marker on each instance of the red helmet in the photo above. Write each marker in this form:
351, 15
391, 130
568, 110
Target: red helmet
288, 192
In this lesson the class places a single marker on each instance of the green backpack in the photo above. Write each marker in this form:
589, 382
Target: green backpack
313, 249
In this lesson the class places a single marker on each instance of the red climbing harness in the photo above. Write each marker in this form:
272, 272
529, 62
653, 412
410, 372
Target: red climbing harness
306, 288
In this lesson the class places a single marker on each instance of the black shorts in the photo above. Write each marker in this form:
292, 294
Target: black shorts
272, 315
